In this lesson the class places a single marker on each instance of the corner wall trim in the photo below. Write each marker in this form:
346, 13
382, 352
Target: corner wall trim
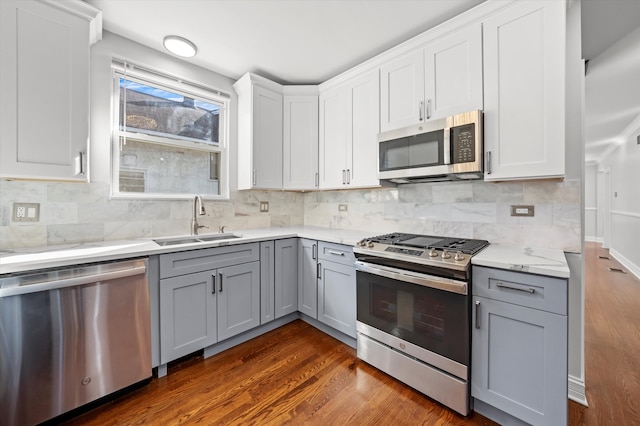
577, 391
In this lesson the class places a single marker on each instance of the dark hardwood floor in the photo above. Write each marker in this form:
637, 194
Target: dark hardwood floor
298, 375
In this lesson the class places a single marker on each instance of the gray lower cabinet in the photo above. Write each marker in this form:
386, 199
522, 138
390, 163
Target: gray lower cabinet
267, 281
238, 289
188, 318
286, 276
207, 296
519, 346
337, 288
307, 277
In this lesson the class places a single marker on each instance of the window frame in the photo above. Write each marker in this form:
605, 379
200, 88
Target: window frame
178, 86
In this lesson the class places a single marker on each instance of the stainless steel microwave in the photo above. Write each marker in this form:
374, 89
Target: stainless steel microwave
444, 149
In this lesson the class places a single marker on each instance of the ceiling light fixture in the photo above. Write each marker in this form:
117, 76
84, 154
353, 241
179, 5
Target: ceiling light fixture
179, 46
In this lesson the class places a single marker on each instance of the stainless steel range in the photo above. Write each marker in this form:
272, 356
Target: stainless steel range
413, 311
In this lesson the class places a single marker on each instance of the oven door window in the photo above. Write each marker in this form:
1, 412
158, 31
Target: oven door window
433, 319
421, 150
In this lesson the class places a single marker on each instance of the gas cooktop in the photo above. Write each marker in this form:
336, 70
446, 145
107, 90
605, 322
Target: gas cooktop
465, 246
403, 250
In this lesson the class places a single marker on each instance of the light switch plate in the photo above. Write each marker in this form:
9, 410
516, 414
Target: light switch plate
522, 210
26, 212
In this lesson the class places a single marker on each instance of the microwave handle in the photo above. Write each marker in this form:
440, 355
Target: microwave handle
446, 145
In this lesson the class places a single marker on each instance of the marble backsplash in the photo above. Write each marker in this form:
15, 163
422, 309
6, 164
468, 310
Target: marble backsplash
76, 212
466, 209
71, 213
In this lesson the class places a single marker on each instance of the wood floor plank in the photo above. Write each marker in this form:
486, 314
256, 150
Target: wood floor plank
299, 375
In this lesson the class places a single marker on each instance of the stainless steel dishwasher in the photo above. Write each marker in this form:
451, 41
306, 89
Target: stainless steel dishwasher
70, 336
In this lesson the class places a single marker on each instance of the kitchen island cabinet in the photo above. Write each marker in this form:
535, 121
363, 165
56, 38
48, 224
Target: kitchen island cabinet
519, 347
44, 80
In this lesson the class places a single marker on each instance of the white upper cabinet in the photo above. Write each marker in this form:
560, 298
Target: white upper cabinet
259, 133
349, 125
44, 81
524, 84
441, 79
300, 150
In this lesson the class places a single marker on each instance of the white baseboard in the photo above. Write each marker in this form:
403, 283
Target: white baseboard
633, 268
577, 392
594, 239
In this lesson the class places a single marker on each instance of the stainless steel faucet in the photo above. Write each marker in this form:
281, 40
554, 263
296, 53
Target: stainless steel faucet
197, 200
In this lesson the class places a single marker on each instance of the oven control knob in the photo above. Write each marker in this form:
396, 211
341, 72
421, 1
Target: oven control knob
362, 243
370, 244
445, 254
458, 256
432, 252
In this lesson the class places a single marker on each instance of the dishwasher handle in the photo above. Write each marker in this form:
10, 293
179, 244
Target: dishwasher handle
71, 282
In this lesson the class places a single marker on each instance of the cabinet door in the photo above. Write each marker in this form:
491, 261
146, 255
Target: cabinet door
238, 289
524, 91
337, 297
187, 314
519, 361
363, 124
286, 276
267, 281
267, 138
307, 277
453, 71
300, 155
333, 138
402, 92
44, 81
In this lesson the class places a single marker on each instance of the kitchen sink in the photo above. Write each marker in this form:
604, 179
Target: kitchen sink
206, 238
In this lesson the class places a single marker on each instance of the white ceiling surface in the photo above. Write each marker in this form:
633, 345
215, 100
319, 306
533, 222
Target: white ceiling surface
288, 41
611, 42
310, 41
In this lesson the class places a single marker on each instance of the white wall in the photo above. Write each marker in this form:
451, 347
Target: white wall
624, 174
591, 202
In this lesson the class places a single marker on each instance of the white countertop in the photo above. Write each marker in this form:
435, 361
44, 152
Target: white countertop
524, 259
26, 259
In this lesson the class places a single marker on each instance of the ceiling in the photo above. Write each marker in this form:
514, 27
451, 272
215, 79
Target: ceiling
310, 41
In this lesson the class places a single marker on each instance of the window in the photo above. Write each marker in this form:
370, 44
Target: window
169, 137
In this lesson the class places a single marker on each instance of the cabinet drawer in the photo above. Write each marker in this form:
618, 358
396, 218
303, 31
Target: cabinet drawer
338, 253
188, 262
534, 291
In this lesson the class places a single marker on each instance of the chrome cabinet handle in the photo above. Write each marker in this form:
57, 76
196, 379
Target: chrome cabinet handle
213, 287
348, 176
253, 178
477, 319
344, 177
428, 110
317, 179
81, 165
318, 271
526, 290
488, 162
337, 253
421, 110
221, 276
314, 254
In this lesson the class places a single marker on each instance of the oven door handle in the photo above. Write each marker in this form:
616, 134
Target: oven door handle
446, 284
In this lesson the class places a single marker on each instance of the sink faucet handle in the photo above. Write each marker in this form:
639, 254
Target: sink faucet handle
221, 229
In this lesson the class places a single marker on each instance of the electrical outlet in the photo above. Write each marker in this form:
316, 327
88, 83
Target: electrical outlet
522, 211
26, 212
343, 207
264, 206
